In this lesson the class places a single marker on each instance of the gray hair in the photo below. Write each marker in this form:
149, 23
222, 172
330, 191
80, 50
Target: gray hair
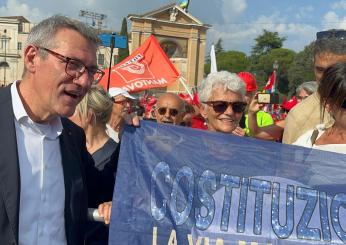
44, 32
229, 81
310, 87
334, 45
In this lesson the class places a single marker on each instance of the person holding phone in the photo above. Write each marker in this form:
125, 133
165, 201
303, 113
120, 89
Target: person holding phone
263, 118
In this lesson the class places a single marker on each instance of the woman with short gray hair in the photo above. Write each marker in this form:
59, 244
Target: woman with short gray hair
305, 89
223, 97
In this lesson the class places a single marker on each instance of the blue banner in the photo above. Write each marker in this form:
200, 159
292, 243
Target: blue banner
178, 186
119, 41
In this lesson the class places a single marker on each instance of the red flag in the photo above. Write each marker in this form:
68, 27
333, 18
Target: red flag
147, 67
271, 82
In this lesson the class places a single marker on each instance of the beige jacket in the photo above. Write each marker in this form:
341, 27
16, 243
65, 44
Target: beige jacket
303, 117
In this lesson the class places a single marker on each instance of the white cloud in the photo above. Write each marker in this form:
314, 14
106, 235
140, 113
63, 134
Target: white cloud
232, 8
339, 5
241, 37
15, 8
305, 12
332, 20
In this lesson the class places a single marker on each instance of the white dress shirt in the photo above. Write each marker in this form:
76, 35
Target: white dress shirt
42, 189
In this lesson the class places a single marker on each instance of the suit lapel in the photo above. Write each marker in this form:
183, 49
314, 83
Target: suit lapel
9, 165
72, 179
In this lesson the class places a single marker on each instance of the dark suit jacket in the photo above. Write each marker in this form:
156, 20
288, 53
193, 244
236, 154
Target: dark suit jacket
74, 157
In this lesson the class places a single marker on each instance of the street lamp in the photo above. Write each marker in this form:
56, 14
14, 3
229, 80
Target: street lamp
4, 63
276, 65
275, 68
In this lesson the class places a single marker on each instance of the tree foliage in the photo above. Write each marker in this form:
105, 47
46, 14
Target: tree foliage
218, 47
301, 69
123, 52
267, 41
233, 61
264, 68
293, 68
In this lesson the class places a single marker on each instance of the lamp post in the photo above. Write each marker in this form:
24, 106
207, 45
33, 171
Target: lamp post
275, 68
4, 63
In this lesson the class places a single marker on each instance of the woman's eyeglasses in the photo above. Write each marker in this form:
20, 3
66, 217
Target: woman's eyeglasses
221, 106
171, 111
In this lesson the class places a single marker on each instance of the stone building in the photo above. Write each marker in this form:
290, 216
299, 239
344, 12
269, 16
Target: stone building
181, 35
13, 34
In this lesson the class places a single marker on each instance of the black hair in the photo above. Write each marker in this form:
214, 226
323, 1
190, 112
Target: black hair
332, 87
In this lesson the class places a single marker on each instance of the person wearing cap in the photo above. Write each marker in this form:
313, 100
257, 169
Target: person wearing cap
122, 101
329, 49
263, 118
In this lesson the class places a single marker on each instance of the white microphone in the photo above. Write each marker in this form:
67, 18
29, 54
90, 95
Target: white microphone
93, 215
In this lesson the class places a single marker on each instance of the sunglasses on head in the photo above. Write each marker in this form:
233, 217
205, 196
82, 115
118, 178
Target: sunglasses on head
171, 111
221, 106
338, 34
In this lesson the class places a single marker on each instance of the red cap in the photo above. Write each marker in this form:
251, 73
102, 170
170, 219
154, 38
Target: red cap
289, 104
249, 80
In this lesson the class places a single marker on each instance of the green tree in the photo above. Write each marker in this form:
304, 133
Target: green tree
218, 47
264, 68
123, 52
301, 69
267, 41
233, 61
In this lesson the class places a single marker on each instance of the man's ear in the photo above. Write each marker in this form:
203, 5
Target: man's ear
30, 58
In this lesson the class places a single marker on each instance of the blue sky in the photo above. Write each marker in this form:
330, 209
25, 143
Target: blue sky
237, 22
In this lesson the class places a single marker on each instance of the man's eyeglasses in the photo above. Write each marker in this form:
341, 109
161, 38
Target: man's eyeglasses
76, 68
121, 102
171, 111
221, 106
334, 33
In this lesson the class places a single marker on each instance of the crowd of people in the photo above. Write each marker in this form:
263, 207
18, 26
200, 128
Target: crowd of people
52, 170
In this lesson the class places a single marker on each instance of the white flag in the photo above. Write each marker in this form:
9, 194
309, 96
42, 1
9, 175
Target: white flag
213, 66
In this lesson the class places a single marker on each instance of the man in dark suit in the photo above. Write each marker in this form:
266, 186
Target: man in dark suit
44, 163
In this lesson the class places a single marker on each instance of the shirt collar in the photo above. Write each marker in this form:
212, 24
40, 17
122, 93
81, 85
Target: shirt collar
51, 130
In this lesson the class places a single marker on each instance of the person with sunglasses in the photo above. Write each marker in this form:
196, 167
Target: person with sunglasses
332, 92
223, 102
122, 102
169, 108
329, 49
43, 156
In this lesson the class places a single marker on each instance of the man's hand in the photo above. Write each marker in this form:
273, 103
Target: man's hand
239, 131
131, 119
104, 210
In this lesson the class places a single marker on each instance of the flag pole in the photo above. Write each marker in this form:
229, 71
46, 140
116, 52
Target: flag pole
110, 61
182, 80
213, 64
